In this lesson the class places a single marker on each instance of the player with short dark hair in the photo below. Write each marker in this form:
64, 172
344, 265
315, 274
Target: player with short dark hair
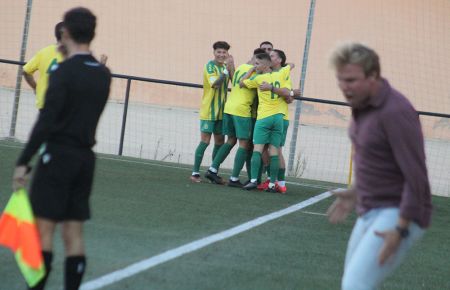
237, 125
278, 58
269, 123
215, 89
267, 46
60, 191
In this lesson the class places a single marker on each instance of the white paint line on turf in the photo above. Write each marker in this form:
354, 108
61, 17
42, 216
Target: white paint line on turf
146, 264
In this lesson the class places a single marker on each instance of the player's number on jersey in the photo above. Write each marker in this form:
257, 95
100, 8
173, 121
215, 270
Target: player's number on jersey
276, 84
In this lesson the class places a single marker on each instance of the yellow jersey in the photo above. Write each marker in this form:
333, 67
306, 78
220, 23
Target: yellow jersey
285, 83
213, 100
44, 61
241, 99
269, 102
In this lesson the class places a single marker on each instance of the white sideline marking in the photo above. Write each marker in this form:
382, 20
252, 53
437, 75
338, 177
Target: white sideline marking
143, 265
178, 167
313, 213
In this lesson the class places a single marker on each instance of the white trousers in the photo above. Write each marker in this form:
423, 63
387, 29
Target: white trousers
362, 270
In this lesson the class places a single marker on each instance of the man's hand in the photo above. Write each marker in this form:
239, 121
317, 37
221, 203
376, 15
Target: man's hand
229, 62
392, 240
20, 177
265, 86
342, 206
297, 93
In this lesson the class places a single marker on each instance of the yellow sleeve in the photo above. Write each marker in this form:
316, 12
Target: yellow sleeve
33, 64
251, 83
286, 77
211, 73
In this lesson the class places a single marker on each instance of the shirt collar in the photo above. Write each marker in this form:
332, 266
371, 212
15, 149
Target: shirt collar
382, 94
377, 100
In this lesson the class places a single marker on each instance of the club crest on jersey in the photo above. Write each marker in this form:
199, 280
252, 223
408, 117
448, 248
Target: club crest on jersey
53, 66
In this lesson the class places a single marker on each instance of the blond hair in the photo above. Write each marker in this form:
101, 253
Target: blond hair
358, 54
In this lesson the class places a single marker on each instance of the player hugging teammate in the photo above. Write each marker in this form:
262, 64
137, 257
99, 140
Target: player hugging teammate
254, 115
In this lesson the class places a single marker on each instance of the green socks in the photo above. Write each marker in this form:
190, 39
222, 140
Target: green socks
220, 155
274, 166
248, 164
239, 160
215, 150
281, 174
256, 164
199, 155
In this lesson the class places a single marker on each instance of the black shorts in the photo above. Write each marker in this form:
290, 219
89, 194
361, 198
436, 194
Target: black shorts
62, 183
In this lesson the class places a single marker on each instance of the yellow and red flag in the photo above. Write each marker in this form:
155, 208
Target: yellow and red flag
19, 233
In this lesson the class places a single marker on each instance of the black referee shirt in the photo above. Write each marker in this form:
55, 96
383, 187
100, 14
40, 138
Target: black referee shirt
76, 96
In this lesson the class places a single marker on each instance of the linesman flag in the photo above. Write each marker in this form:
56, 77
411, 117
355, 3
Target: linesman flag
19, 233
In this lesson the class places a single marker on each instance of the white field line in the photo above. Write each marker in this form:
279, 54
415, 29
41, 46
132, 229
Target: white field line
146, 264
313, 213
178, 167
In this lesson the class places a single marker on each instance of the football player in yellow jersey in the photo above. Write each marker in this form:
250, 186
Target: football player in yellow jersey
44, 61
269, 123
237, 125
215, 88
278, 58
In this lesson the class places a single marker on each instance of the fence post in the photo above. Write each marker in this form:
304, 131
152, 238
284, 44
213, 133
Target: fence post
23, 49
124, 118
293, 145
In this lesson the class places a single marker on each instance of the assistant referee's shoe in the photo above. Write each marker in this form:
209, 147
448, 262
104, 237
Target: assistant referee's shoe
213, 177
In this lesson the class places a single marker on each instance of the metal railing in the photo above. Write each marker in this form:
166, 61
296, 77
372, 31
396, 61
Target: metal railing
130, 78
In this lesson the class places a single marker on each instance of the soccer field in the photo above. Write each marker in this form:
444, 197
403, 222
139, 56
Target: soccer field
144, 209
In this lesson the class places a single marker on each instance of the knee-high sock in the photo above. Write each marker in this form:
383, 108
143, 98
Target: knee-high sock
248, 164
281, 174
239, 160
199, 152
256, 164
215, 150
48, 257
274, 166
222, 153
74, 271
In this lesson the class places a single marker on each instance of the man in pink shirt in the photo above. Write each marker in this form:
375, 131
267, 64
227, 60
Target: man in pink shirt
391, 192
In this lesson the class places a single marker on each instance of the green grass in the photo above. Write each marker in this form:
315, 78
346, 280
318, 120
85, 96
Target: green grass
141, 209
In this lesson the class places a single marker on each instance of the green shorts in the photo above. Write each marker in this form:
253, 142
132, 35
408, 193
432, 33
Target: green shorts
207, 126
269, 130
285, 129
236, 126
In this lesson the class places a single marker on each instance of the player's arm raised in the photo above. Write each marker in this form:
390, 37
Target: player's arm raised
222, 77
246, 76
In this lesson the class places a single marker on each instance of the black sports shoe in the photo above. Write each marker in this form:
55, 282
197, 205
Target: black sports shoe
247, 182
250, 186
236, 183
213, 177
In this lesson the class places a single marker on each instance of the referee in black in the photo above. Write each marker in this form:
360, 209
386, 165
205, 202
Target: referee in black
65, 133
